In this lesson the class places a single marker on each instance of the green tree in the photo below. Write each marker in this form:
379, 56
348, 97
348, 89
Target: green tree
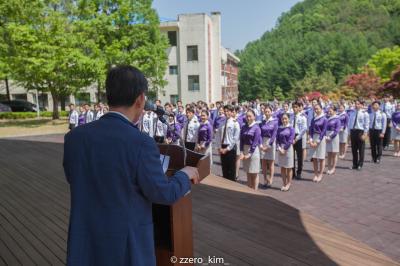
124, 32
278, 93
385, 61
13, 11
49, 56
336, 37
66, 45
323, 83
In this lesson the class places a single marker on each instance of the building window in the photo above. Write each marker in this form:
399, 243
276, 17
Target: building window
43, 100
173, 70
192, 54
20, 96
172, 38
194, 83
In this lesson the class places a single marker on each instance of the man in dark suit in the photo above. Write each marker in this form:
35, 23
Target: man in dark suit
115, 175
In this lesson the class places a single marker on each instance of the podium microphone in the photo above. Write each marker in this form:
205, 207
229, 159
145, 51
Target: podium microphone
162, 114
158, 110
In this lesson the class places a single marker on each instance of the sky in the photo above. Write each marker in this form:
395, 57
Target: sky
242, 20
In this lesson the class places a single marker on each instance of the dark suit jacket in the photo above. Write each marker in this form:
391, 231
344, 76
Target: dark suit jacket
115, 175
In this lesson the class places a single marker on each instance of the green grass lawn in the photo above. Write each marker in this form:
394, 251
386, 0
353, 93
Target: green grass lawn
30, 123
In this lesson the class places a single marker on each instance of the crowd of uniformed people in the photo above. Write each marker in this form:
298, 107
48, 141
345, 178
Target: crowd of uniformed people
262, 135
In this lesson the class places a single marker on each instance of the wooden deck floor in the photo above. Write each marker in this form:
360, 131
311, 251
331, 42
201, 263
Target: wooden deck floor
230, 221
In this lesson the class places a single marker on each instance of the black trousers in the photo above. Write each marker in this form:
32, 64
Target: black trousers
357, 147
159, 139
386, 138
376, 144
190, 145
228, 163
298, 153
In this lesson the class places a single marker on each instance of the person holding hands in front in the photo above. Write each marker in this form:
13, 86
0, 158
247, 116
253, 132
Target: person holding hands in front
344, 131
269, 128
359, 127
205, 135
229, 137
300, 129
396, 130
317, 141
377, 129
332, 139
284, 146
250, 139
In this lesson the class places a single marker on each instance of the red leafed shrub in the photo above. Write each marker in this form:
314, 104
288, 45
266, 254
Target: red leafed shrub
364, 84
315, 95
393, 85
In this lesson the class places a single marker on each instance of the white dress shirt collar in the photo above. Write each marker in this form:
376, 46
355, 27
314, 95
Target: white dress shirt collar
121, 114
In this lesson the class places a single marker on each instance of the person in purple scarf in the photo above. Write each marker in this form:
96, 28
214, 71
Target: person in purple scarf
396, 130
204, 134
332, 139
180, 116
81, 117
213, 112
269, 128
284, 146
241, 119
174, 131
250, 139
344, 131
317, 142
284, 110
260, 115
219, 122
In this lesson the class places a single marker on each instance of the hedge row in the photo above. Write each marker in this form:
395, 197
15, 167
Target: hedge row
25, 115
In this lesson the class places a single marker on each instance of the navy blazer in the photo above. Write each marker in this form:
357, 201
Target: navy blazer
115, 175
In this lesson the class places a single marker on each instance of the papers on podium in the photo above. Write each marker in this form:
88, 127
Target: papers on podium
164, 162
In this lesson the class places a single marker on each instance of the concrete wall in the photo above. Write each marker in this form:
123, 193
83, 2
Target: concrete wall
205, 32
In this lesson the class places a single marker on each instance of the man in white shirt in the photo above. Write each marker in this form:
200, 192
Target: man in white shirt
388, 108
73, 117
299, 124
359, 127
229, 137
191, 129
160, 130
147, 122
89, 116
377, 129
99, 111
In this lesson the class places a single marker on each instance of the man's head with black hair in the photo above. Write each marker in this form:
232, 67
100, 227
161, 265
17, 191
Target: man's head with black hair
124, 84
126, 87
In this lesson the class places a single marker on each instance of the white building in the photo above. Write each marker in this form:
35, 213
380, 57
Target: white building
199, 68
196, 60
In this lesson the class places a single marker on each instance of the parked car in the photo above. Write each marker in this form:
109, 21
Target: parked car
20, 106
5, 108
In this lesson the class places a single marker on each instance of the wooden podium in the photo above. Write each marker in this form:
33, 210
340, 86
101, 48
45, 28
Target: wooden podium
173, 235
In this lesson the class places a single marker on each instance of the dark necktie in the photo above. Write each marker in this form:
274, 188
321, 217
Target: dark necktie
373, 122
187, 129
355, 120
224, 134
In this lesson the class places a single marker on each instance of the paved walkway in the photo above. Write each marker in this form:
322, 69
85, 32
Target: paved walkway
364, 204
